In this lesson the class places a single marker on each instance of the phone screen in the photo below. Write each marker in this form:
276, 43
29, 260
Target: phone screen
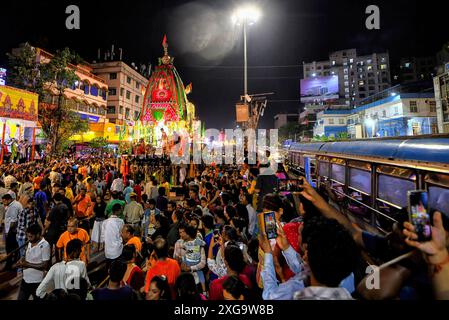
270, 225
419, 214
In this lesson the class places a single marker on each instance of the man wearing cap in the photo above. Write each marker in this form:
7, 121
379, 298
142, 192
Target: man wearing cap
133, 212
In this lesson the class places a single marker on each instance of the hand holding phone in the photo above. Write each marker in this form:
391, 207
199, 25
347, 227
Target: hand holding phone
270, 226
419, 214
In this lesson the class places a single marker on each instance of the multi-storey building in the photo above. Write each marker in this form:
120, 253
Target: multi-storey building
126, 90
396, 112
282, 119
414, 69
87, 96
441, 87
358, 76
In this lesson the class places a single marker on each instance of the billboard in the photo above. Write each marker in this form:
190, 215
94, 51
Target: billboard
318, 89
2, 76
18, 104
242, 112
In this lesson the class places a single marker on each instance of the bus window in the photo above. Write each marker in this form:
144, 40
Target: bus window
394, 190
323, 168
360, 180
338, 173
359, 204
439, 199
390, 212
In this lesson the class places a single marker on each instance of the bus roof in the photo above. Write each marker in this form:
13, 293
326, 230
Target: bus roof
433, 149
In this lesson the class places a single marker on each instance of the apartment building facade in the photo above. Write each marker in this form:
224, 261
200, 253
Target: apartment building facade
126, 90
358, 76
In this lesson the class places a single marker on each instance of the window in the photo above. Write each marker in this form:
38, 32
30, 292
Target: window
369, 68
121, 110
324, 168
383, 67
369, 61
122, 91
137, 84
127, 113
86, 88
331, 121
433, 107
394, 190
111, 109
346, 77
341, 121
346, 83
351, 60
113, 76
396, 110
347, 90
333, 62
360, 180
437, 196
136, 99
128, 80
112, 91
136, 115
338, 173
94, 90
128, 94
361, 83
413, 107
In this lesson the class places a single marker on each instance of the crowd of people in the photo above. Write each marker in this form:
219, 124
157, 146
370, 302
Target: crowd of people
204, 239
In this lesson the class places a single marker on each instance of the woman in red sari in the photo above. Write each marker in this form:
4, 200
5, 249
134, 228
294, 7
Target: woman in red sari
134, 276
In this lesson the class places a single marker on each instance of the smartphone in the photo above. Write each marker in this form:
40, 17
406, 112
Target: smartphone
244, 177
418, 209
270, 224
216, 233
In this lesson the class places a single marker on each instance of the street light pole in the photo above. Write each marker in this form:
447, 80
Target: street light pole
245, 63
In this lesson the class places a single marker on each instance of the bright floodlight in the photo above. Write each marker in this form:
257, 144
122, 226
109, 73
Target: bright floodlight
249, 14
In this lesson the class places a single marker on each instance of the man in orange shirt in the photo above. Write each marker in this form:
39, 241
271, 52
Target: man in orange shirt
128, 236
160, 264
73, 232
83, 207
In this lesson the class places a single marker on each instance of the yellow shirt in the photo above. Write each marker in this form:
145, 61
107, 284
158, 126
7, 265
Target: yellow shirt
167, 188
69, 194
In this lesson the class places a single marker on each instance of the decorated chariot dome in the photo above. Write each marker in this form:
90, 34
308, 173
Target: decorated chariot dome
165, 98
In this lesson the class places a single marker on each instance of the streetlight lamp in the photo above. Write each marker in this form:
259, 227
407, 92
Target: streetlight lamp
245, 15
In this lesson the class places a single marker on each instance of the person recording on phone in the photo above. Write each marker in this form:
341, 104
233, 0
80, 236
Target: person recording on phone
435, 253
330, 257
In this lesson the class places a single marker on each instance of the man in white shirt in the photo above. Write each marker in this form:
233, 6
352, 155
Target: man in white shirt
35, 262
117, 184
111, 230
245, 199
12, 210
66, 274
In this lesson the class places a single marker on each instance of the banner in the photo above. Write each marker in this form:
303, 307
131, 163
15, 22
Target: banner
18, 104
242, 112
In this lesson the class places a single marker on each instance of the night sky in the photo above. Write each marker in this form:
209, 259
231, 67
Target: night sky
208, 49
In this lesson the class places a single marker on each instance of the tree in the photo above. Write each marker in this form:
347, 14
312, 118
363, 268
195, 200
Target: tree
99, 142
24, 70
58, 121
288, 131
